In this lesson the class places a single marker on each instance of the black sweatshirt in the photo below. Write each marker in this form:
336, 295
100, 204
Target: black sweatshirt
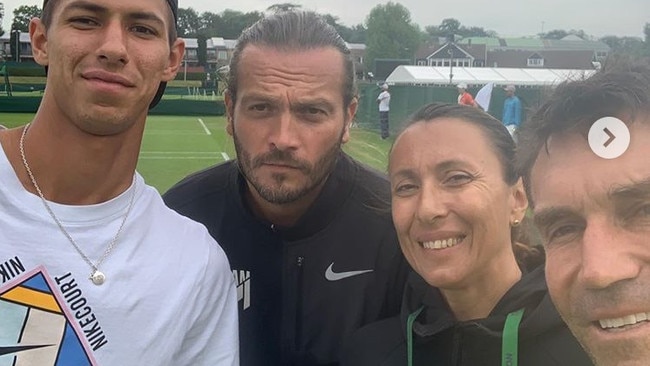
440, 340
303, 290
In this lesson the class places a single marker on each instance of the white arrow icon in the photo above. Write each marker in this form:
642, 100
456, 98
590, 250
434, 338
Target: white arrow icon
609, 137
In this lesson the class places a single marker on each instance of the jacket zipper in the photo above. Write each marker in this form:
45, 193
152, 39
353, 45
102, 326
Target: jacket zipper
300, 263
455, 357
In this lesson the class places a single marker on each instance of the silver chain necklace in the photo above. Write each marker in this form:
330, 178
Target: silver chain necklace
96, 276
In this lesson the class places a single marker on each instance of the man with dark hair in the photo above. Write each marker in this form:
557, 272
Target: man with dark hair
584, 158
306, 228
95, 269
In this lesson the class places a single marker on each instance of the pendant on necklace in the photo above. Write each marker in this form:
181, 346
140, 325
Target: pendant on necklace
98, 277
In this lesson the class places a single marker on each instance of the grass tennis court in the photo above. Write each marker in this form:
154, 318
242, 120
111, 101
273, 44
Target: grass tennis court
175, 146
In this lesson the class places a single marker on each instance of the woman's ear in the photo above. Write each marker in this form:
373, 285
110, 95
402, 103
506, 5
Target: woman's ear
519, 201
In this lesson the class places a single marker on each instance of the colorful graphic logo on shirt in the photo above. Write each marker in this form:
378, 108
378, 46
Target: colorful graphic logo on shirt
34, 330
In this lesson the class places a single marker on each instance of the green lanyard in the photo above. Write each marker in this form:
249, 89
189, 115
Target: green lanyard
510, 339
409, 333
509, 346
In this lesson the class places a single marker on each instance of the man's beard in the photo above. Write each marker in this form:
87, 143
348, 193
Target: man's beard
276, 193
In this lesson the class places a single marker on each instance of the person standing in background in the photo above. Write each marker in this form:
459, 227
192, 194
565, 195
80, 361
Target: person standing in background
464, 97
384, 107
511, 110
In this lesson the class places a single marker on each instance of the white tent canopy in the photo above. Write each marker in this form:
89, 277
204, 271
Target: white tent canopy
418, 75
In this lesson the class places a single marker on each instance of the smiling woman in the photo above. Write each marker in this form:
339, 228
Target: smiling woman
476, 298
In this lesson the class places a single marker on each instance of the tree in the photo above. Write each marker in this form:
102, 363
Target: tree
202, 50
341, 29
358, 34
646, 31
22, 15
477, 32
451, 26
624, 45
633, 46
211, 23
561, 33
189, 23
234, 22
554, 34
2, 14
278, 8
390, 34
229, 24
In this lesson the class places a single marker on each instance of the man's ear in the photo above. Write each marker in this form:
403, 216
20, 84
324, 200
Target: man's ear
230, 111
38, 39
350, 112
176, 53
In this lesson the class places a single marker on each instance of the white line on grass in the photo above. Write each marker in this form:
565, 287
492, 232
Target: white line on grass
373, 147
180, 152
205, 128
174, 133
183, 155
179, 157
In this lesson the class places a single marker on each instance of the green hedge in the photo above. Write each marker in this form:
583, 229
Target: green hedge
26, 71
190, 76
176, 107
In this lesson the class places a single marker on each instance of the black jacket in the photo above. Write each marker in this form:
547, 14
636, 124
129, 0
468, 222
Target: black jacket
440, 340
290, 313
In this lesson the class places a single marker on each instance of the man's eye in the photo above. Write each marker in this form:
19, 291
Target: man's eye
259, 107
638, 215
563, 233
144, 30
314, 111
84, 22
643, 211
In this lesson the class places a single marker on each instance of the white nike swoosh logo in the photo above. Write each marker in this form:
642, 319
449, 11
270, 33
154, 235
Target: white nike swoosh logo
330, 275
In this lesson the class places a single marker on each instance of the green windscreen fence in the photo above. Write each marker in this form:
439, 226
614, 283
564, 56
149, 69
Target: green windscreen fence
406, 99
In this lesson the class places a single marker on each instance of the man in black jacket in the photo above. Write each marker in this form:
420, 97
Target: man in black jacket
306, 228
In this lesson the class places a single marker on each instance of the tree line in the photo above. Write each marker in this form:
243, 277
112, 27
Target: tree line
388, 30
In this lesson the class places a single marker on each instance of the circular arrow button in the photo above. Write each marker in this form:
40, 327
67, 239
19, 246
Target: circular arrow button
609, 137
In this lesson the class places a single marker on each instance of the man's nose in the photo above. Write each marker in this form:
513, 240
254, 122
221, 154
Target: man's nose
606, 257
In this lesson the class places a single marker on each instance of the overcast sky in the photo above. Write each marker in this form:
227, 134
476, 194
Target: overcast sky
508, 18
